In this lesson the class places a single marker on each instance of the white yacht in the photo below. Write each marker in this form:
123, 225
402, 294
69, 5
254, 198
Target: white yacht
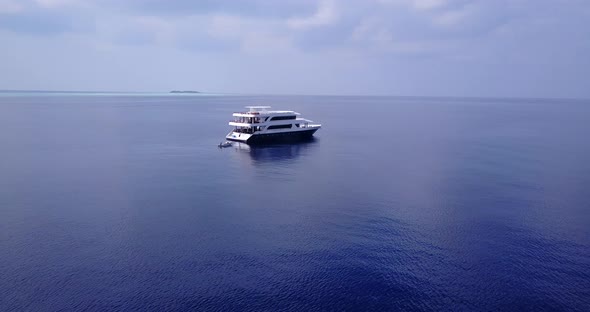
261, 125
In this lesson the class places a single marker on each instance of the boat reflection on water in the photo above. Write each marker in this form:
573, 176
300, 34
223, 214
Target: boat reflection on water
276, 152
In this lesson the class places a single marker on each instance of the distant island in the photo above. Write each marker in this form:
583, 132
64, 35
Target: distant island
187, 91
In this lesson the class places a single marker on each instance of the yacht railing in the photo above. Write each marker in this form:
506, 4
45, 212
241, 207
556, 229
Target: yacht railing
245, 121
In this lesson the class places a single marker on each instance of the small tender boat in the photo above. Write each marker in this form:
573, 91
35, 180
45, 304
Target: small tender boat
224, 144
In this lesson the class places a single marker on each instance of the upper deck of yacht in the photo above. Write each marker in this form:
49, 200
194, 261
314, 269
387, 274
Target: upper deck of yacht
255, 111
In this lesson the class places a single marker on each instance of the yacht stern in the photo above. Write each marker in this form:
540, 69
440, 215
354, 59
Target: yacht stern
238, 137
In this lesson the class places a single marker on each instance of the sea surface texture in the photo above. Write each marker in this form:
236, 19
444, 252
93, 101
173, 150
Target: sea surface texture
125, 202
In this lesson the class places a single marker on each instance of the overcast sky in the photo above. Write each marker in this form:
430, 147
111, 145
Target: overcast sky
528, 48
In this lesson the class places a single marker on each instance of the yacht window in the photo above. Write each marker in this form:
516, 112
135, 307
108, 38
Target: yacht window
283, 117
279, 127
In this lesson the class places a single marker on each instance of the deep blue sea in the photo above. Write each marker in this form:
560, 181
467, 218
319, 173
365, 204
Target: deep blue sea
124, 202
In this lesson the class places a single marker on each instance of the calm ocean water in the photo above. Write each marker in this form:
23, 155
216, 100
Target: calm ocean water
114, 202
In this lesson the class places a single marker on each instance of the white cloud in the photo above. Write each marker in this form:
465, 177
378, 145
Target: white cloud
417, 4
56, 3
372, 30
451, 18
265, 43
252, 35
223, 26
375, 34
428, 4
249, 35
10, 6
325, 15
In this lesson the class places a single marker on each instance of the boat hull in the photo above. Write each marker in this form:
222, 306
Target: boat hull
282, 137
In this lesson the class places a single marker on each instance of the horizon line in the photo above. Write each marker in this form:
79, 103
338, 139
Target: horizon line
287, 94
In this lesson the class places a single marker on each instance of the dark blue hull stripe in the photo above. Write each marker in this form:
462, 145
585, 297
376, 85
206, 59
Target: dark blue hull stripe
278, 137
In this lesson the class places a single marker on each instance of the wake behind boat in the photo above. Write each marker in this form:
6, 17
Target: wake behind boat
260, 125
